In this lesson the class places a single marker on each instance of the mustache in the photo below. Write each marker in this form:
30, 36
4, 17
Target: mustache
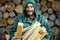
29, 11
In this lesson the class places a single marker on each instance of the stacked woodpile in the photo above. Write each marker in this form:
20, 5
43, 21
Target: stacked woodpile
10, 9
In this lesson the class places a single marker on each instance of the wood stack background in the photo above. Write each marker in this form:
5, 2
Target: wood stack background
10, 9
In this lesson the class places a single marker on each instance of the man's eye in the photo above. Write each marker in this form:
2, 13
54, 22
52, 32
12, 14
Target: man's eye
31, 6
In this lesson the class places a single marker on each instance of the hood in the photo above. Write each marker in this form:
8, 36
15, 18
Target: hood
34, 4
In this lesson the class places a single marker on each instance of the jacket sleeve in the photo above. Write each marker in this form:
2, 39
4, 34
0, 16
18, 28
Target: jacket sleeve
13, 29
49, 29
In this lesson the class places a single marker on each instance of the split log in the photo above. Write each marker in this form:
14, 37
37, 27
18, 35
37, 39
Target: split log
46, 14
2, 30
50, 11
56, 6
43, 2
12, 14
10, 21
52, 17
58, 14
51, 23
3, 22
42, 33
19, 31
57, 21
18, 9
34, 33
10, 6
44, 8
49, 4
2, 9
55, 31
8, 29
5, 15
7, 37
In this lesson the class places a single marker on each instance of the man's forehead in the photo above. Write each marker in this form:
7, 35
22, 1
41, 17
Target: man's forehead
29, 4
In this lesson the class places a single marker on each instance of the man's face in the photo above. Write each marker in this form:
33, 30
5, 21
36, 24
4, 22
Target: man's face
30, 9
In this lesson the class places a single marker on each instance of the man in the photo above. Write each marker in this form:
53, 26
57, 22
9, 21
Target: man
30, 16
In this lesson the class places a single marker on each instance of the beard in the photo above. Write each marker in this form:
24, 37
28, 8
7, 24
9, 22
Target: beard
29, 13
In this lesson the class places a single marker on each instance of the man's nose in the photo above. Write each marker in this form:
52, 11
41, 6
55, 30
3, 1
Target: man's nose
29, 8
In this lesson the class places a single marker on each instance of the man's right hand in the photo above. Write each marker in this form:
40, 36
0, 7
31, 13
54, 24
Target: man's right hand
15, 38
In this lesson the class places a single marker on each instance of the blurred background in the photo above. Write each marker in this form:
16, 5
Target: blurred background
10, 9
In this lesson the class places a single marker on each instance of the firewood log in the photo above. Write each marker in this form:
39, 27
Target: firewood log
18, 33
5, 15
35, 33
10, 21
10, 6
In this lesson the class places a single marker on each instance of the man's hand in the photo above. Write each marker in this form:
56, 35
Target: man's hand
15, 38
